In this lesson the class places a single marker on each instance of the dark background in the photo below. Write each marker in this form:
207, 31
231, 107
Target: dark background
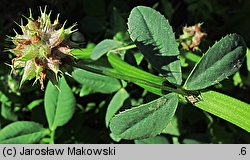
95, 19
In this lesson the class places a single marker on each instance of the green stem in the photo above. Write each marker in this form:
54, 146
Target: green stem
126, 69
52, 137
125, 48
116, 75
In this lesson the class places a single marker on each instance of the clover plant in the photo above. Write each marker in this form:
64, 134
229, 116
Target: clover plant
44, 50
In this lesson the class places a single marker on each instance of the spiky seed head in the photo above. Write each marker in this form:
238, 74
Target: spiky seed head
41, 47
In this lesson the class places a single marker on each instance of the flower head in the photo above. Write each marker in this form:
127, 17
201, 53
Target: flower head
42, 47
191, 37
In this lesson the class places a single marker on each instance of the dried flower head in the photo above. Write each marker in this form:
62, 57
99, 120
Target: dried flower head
191, 37
42, 48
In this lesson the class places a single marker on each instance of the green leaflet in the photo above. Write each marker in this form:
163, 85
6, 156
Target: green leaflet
59, 104
128, 70
192, 57
115, 137
97, 82
173, 127
6, 109
8, 113
248, 59
146, 120
153, 140
83, 53
191, 141
223, 59
22, 132
153, 35
115, 104
225, 107
34, 103
103, 47
85, 90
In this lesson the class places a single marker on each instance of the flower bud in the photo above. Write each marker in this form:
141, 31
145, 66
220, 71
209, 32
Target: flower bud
191, 37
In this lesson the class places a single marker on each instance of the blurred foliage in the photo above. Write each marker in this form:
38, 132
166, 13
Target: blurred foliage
101, 19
